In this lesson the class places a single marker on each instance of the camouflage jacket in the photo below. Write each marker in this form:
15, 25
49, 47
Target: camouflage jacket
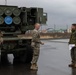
73, 38
36, 36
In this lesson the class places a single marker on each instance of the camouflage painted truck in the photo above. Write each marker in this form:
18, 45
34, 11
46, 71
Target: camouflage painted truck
15, 21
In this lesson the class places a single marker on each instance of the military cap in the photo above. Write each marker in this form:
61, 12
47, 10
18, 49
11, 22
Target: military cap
74, 24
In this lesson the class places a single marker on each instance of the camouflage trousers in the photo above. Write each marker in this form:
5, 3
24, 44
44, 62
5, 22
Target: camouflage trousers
73, 55
36, 51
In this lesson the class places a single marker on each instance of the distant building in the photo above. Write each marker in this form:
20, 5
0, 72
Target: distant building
69, 30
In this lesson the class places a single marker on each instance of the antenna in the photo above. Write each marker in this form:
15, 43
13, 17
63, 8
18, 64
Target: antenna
5, 2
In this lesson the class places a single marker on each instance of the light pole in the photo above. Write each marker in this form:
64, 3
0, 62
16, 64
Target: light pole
5, 2
54, 27
67, 26
41, 28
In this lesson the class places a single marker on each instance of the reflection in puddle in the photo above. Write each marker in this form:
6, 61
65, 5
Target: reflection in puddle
15, 68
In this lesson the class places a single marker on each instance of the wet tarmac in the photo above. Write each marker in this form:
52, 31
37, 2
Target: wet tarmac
54, 59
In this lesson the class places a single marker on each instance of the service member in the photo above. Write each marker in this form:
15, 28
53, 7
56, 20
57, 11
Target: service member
73, 41
1, 41
36, 46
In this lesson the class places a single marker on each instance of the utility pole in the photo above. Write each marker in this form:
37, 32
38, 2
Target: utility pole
67, 26
5, 2
54, 27
41, 27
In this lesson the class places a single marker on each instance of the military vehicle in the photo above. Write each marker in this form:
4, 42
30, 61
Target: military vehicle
16, 21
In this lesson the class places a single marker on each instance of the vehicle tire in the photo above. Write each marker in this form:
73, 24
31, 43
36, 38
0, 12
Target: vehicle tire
16, 58
4, 58
29, 54
20, 57
0, 56
23, 56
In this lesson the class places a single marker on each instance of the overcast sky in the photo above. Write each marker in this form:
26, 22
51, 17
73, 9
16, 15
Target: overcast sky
60, 12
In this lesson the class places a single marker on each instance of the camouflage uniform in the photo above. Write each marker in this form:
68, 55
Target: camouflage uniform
1, 40
36, 45
73, 50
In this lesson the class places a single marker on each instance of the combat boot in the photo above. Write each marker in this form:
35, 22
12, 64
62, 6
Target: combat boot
74, 66
71, 65
34, 67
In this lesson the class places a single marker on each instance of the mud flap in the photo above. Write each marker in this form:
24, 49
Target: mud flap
0, 55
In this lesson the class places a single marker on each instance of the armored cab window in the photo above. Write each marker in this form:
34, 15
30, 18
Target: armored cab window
33, 12
32, 16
